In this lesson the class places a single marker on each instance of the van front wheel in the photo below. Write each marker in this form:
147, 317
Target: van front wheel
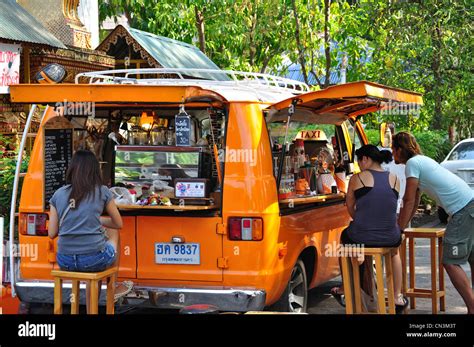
295, 297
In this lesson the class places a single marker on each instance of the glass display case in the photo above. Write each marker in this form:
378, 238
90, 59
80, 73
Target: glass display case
157, 165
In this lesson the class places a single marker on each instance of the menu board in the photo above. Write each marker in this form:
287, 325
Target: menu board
58, 145
183, 129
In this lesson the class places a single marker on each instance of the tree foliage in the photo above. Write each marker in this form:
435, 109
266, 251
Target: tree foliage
420, 45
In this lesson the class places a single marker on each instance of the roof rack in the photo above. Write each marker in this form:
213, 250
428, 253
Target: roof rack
186, 76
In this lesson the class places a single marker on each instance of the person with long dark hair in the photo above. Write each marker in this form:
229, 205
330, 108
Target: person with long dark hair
451, 193
371, 201
88, 241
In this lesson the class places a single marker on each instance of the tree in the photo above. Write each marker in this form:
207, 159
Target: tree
245, 34
420, 45
425, 46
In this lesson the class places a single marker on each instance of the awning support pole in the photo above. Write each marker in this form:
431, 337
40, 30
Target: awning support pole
14, 196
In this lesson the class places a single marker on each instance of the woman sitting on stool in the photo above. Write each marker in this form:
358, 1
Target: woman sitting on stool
372, 203
88, 241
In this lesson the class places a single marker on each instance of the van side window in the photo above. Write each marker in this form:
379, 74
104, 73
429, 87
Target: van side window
317, 137
357, 140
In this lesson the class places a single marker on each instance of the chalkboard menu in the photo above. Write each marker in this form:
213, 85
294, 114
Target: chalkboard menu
183, 129
57, 156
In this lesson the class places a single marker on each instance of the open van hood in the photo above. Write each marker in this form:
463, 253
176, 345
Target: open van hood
337, 103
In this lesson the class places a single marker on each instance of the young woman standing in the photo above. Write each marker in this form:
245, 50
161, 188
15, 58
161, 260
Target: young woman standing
450, 192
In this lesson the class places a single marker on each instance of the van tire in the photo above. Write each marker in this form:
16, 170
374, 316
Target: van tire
442, 215
297, 288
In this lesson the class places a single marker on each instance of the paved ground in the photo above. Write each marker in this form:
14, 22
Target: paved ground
321, 302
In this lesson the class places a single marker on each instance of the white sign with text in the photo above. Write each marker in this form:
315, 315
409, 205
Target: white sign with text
9, 66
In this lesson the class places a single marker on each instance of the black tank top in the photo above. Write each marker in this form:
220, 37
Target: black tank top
375, 219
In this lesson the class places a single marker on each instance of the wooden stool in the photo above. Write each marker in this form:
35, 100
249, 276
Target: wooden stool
412, 292
91, 279
352, 283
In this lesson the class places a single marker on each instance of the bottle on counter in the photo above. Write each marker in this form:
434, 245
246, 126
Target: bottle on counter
170, 136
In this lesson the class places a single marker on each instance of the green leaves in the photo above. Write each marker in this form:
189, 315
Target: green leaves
7, 176
424, 46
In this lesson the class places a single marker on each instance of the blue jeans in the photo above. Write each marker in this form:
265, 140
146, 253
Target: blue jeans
94, 262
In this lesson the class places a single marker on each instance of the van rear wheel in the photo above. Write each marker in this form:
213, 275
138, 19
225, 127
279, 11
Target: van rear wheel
295, 297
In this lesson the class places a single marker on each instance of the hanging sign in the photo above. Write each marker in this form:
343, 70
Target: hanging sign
182, 125
9, 66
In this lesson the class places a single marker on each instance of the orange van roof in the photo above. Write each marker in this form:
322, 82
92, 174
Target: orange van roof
111, 93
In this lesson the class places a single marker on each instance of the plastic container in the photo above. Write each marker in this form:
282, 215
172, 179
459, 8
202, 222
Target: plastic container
325, 182
287, 187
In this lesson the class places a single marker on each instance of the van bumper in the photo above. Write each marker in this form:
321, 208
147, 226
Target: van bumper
226, 299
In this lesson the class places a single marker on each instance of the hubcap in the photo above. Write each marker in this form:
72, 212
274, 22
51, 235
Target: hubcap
297, 292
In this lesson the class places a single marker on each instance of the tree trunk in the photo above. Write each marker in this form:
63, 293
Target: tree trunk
200, 29
268, 56
451, 134
301, 57
252, 47
327, 47
437, 90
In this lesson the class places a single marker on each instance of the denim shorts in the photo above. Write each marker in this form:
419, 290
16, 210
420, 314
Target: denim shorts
94, 262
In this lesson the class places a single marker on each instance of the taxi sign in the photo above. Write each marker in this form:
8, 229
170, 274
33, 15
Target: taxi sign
311, 135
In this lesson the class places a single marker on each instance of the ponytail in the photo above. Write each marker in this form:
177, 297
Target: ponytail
374, 153
386, 156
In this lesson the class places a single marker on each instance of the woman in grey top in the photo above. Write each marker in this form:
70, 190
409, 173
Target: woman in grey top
76, 210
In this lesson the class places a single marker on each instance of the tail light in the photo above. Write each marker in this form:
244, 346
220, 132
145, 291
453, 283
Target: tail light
34, 224
245, 229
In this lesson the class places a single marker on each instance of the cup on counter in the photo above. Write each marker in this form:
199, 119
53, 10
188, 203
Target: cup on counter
341, 181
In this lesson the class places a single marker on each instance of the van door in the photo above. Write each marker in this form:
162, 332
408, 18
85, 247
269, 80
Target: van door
179, 248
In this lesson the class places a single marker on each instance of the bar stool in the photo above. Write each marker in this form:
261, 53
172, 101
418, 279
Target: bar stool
351, 279
91, 279
433, 293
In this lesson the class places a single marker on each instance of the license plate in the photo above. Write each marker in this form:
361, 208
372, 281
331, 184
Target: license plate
177, 253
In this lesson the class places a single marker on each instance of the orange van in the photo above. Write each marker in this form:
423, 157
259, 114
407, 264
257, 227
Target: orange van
227, 184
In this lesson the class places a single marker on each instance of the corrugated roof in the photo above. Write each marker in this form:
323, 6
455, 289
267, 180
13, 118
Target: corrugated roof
174, 54
18, 25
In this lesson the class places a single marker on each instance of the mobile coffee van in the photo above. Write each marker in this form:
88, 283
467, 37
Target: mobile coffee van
224, 180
